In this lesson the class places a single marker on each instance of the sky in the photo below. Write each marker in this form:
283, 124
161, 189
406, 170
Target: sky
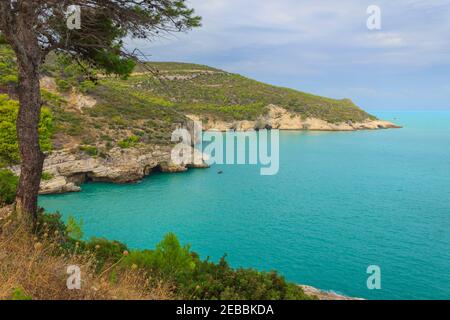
324, 47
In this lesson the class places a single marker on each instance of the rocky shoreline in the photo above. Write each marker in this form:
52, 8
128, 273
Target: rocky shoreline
282, 119
325, 295
69, 169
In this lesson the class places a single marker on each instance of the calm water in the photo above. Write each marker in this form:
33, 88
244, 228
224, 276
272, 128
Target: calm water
341, 202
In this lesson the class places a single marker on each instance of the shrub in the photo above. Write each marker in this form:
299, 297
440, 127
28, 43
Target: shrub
19, 294
169, 260
172, 263
51, 223
200, 279
73, 228
8, 70
63, 85
9, 149
51, 99
8, 187
106, 251
2, 39
90, 150
46, 176
128, 142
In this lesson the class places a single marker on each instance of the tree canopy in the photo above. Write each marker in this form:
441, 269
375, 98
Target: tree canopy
103, 26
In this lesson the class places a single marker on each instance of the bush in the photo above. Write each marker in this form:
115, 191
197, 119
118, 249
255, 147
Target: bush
90, 150
170, 260
73, 228
106, 251
220, 281
200, 279
128, 142
19, 294
8, 187
9, 149
63, 85
51, 223
46, 176
172, 263
8, 70
2, 39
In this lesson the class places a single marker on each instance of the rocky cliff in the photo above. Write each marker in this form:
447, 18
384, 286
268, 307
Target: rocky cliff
68, 169
282, 119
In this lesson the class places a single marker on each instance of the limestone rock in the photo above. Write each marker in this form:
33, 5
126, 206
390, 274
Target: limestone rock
282, 119
71, 169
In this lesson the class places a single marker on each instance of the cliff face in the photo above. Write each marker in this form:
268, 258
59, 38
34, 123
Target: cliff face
68, 169
282, 119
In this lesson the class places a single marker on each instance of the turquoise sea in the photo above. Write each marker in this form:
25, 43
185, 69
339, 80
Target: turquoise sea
341, 201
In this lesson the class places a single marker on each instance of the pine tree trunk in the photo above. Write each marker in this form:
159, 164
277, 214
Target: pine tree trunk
32, 158
19, 30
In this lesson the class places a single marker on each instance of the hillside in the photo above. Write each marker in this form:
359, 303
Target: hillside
208, 91
158, 96
103, 128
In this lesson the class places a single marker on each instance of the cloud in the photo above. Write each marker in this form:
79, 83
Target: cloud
421, 26
318, 40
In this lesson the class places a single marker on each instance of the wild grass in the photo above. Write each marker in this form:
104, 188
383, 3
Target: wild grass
35, 267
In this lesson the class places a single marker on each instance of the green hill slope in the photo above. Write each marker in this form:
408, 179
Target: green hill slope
200, 89
146, 107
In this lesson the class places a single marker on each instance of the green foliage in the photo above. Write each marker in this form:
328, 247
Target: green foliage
8, 187
201, 279
74, 228
69, 74
106, 251
192, 277
63, 85
128, 142
46, 176
220, 281
20, 294
211, 92
50, 223
46, 130
9, 150
2, 39
90, 150
69, 123
169, 260
8, 69
113, 63
52, 100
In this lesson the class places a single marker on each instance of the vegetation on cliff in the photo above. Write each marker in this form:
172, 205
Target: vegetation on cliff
96, 113
203, 90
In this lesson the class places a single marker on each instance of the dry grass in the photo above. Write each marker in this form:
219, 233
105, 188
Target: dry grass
30, 266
